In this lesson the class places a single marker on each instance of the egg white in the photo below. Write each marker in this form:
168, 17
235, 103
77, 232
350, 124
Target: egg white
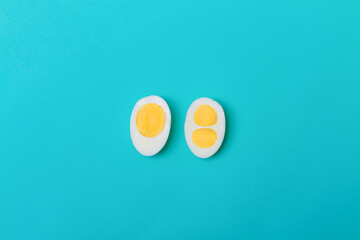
149, 146
191, 126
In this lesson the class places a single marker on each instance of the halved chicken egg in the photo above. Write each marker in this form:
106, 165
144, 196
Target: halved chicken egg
204, 127
150, 125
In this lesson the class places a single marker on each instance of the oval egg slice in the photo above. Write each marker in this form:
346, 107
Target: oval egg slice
204, 127
150, 125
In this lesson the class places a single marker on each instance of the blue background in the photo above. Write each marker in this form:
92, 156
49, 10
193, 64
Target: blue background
286, 72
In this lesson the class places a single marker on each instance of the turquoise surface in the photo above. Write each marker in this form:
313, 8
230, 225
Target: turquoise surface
287, 74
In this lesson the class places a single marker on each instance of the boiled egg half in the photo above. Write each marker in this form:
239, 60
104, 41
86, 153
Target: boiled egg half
150, 125
204, 127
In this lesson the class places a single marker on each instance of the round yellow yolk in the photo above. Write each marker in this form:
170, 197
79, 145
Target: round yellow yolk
205, 116
150, 120
204, 137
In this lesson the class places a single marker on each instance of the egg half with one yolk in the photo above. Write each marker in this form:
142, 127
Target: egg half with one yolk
205, 127
150, 125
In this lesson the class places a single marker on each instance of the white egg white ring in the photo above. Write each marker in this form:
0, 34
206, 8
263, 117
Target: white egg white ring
191, 126
149, 146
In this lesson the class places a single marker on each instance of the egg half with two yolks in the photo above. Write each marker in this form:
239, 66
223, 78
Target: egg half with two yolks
150, 125
205, 127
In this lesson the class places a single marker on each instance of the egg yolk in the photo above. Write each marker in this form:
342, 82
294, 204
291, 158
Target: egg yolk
150, 120
204, 137
205, 116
